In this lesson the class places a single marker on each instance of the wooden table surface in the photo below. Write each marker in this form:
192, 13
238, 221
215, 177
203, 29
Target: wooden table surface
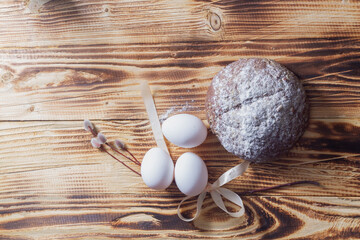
82, 59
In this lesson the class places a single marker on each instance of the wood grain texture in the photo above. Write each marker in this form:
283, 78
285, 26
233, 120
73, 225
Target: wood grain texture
56, 182
48, 216
64, 148
83, 59
86, 62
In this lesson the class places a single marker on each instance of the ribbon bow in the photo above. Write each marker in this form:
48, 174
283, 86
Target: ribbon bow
216, 191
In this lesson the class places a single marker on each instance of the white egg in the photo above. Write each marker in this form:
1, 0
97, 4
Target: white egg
184, 130
191, 175
157, 169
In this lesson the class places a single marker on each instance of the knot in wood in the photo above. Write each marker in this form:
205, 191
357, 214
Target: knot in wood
215, 21
6, 77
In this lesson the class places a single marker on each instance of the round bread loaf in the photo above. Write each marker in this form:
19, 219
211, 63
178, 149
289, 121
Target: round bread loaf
257, 108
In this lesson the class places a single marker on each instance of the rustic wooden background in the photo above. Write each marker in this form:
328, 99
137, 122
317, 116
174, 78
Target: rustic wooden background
81, 59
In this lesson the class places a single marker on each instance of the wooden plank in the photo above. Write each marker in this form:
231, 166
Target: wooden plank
57, 158
55, 185
78, 59
100, 82
44, 216
113, 22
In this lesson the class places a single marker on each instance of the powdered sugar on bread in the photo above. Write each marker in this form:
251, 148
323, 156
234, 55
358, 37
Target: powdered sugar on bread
257, 108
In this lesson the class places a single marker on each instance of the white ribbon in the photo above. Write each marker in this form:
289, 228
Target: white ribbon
216, 191
152, 114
